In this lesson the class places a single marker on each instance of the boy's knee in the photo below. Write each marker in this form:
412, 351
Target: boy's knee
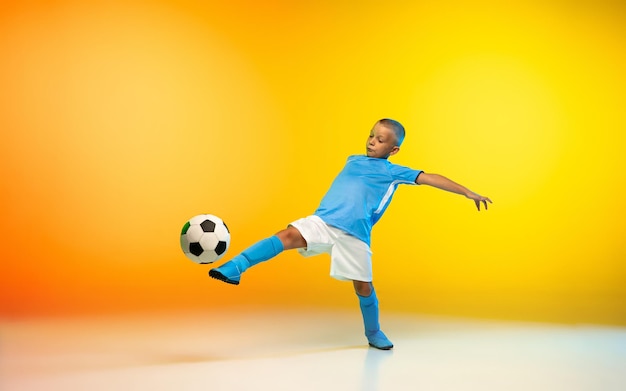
291, 238
362, 288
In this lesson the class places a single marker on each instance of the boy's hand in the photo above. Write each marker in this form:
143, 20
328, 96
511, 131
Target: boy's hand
478, 199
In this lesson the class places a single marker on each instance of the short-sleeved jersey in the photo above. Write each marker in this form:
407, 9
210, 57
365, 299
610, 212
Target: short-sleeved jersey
361, 192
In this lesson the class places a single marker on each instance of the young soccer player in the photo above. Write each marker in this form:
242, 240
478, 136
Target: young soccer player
342, 223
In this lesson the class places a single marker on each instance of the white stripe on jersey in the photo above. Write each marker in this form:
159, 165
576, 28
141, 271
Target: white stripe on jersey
388, 194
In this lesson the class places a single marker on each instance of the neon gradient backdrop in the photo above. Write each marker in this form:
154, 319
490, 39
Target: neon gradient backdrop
121, 120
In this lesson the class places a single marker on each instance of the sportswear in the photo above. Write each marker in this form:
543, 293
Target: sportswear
369, 310
261, 251
361, 192
350, 257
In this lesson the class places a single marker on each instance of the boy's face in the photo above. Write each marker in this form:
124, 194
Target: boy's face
381, 142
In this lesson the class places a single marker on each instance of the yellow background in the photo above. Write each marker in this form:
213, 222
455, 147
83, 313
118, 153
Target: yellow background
122, 119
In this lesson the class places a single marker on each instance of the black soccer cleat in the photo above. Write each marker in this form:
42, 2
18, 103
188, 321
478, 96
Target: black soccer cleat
214, 273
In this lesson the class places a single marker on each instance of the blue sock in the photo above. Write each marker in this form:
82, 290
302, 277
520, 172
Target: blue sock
259, 252
369, 310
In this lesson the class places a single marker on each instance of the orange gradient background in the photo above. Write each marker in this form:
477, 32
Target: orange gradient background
122, 119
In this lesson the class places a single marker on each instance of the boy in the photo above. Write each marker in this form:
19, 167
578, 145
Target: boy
342, 223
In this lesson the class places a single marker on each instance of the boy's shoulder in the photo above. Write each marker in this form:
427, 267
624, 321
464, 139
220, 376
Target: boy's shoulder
384, 164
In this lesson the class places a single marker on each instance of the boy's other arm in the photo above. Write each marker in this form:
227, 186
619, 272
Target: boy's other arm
443, 183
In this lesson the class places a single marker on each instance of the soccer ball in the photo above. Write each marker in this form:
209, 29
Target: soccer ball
205, 238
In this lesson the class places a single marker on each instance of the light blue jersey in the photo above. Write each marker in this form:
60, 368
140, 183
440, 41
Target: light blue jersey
361, 192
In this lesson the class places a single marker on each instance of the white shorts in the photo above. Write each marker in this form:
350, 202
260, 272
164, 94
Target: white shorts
350, 258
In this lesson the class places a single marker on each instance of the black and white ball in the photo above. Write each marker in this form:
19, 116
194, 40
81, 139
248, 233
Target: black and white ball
205, 238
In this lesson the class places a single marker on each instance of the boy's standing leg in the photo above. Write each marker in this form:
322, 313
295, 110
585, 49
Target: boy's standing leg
369, 309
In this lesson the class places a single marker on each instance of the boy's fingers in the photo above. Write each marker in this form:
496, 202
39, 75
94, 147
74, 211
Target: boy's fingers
484, 201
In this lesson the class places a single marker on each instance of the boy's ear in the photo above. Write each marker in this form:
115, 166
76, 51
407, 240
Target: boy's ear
395, 150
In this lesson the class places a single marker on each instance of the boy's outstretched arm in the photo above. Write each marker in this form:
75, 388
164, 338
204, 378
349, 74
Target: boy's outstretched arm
443, 183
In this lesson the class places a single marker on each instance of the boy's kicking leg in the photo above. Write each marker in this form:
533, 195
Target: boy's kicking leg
263, 250
369, 309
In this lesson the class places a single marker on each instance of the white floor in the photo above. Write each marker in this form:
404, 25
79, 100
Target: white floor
307, 350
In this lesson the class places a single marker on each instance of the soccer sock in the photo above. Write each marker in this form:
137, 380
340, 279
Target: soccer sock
259, 252
369, 310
